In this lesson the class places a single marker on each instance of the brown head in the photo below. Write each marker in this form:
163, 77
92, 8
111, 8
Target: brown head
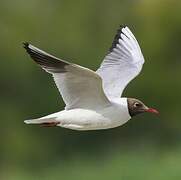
135, 107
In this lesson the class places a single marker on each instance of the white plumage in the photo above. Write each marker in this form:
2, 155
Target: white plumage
92, 98
122, 64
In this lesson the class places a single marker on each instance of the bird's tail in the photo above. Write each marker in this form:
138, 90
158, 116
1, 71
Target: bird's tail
47, 122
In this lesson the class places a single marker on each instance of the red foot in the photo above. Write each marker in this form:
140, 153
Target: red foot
49, 124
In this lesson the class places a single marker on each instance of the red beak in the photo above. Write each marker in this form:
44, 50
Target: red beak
151, 110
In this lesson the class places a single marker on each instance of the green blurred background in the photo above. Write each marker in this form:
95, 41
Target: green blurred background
147, 147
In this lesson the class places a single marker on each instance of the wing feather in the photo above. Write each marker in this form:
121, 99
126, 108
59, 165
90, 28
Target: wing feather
80, 87
122, 64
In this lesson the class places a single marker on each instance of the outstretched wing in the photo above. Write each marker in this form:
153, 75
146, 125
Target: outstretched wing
122, 63
80, 87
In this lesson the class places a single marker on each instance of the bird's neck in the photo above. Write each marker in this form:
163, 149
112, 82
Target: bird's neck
123, 103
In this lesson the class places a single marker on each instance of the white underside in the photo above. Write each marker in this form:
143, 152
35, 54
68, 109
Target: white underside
110, 116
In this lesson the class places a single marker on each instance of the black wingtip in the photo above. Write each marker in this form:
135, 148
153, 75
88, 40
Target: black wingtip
122, 26
26, 45
117, 37
50, 63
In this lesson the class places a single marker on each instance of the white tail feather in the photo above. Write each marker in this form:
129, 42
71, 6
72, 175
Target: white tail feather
40, 121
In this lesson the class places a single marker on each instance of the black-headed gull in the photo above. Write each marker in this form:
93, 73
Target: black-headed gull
93, 99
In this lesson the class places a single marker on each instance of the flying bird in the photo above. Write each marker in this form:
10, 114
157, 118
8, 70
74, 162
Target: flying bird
93, 99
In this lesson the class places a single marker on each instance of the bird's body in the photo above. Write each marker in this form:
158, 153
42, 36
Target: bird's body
113, 115
93, 98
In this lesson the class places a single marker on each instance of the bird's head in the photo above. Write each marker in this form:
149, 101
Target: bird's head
135, 107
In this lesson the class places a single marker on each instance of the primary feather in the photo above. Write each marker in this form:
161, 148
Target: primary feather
123, 63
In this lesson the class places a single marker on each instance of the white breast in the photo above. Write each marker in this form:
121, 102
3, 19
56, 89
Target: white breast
111, 116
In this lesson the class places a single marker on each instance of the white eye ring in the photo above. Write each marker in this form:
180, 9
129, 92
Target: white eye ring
136, 104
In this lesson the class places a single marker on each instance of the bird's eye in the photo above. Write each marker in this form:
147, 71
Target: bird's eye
136, 104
